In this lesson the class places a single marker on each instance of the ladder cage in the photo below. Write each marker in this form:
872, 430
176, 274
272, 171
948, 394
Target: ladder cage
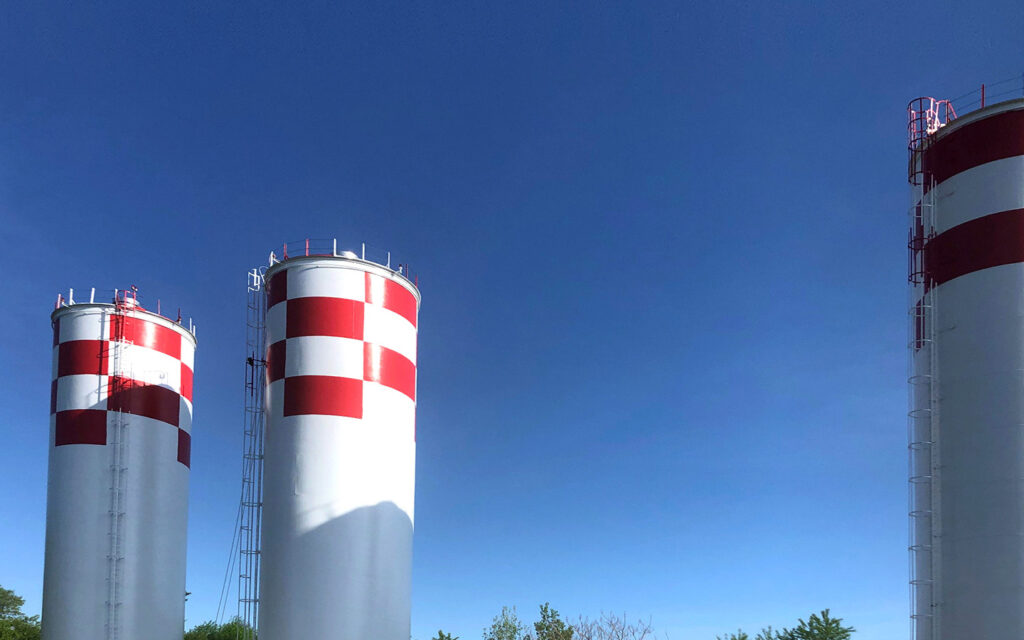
925, 117
251, 501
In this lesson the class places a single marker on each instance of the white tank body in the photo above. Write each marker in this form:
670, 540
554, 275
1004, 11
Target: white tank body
972, 577
340, 451
117, 495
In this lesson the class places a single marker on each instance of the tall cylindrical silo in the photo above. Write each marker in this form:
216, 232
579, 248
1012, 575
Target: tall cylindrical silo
340, 450
117, 496
967, 383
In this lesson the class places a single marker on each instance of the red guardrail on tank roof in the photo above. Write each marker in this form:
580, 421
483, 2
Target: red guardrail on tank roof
123, 299
927, 115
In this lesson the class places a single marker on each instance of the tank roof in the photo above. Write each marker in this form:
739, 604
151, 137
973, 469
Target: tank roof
320, 249
124, 301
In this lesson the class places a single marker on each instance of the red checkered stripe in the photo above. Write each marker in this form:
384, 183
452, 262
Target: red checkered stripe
334, 331
157, 361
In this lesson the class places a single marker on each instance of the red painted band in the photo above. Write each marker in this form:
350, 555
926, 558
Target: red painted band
184, 448
986, 242
82, 357
989, 241
276, 354
186, 382
323, 395
992, 138
277, 288
391, 295
389, 368
151, 401
335, 317
81, 426
144, 333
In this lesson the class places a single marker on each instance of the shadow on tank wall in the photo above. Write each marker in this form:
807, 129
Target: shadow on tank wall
364, 578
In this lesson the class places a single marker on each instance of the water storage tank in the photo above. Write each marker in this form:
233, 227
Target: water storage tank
117, 499
340, 450
967, 346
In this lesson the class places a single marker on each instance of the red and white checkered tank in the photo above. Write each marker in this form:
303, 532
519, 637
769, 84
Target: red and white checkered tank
117, 503
340, 450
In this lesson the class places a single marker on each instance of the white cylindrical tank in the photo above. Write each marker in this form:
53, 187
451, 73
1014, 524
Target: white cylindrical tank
340, 450
967, 345
117, 496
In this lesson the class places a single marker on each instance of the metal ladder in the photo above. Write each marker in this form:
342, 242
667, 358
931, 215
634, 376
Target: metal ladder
251, 505
923, 415
120, 381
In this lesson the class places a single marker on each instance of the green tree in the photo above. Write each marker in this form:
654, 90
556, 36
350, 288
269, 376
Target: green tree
210, 630
10, 604
441, 635
551, 626
15, 625
202, 631
765, 634
823, 627
505, 626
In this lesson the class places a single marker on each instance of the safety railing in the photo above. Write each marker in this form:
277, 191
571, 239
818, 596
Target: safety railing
122, 299
989, 94
328, 247
927, 115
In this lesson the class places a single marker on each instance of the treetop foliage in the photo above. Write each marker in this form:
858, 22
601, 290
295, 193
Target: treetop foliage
823, 627
210, 630
10, 604
613, 627
551, 626
818, 627
505, 626
508, 626
15, 625
764, 634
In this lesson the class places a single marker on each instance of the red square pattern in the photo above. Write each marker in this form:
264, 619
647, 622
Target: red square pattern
341, 318
91, 357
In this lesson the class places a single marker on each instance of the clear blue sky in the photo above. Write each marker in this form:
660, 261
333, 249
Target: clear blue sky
662, 247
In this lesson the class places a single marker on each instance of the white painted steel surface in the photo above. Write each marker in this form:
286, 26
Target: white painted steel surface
339, 489
978, 406
146, 599
981, 404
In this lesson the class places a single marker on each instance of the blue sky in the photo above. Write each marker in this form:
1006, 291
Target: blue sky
662, 256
